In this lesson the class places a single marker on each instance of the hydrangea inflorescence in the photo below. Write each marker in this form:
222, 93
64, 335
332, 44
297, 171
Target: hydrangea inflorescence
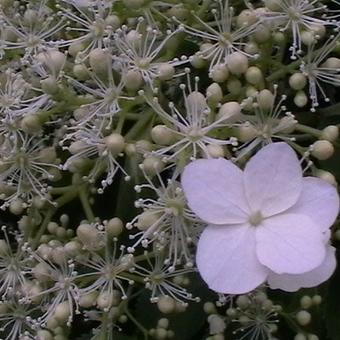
168, 158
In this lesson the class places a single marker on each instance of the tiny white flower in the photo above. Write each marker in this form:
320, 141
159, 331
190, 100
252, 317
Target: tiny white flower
90, 22
192, 127
296, 16
140, 51
318, 71
159, 278
270, 120
264, 222
34, 29
224, 39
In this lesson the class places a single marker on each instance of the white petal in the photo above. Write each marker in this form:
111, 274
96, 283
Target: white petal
273, 179
319, 200
226, 259
292, 283
290, 243
214, 190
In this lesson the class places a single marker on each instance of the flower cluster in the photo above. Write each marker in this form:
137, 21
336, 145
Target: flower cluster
164, 157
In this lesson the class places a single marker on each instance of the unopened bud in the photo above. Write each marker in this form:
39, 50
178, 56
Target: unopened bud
114, 227
219, 73
214, 93
88, 300
326, 176
237, 63
322, 149
303, 317
330, 133
297, 81
31, 123
246, 132
246, 18
100, 61
254, 75
165, 71
215, 151
49, 85
133, 80
229, 110
162, 135
53, 59
166, 304
146, 219
300, 99
62, 312
81, 72
115, 143
16, 206
265, 100
153, 165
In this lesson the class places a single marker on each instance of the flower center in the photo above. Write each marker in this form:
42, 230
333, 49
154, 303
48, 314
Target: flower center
144, 63
98, 28
175, 206
33, 41
195, 134
293, 13
226, 39
110, 95
265, 132
255, 218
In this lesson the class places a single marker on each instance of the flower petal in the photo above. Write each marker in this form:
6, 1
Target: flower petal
319, 200
214, 190
292, 283
273, 179
227, 261
290, 243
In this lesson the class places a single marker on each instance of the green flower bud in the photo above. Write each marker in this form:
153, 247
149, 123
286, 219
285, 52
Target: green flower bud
303, 317
322, 149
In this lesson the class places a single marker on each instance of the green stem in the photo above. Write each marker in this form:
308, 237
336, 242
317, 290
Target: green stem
283, 71
203, 7
290, 321
61, 190
43, 226
307, 129
139, 126
132, 116
137, 323
121, 121
86, 204
132, 277
67, 197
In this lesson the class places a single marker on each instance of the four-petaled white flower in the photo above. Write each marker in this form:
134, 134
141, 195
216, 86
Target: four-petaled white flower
266, 223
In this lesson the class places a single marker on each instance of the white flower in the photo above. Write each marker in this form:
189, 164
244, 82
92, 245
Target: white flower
160, 279
165, 222
34, 29
27, 164
17, 100
192, 126
106, 94
265, 223
91, 23
270, 120
296, 16
318, 69
223, 37
140, 50
106, 273
89, 142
